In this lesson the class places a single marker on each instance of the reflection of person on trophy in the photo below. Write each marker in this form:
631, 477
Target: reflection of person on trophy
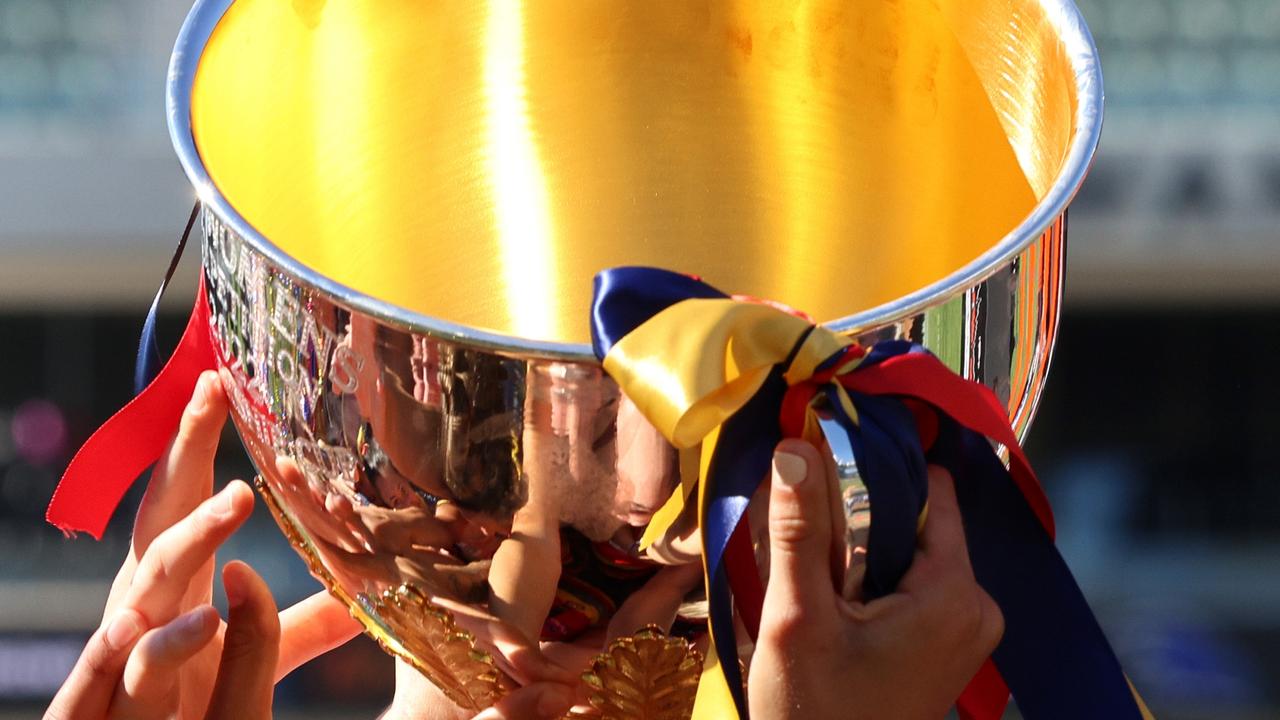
606, 488
385, 524
394, 545
526, 567
648, 472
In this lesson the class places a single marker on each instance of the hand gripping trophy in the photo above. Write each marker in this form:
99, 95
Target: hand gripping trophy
512, 301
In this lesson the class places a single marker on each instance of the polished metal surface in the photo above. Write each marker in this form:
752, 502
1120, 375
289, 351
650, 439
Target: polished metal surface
405, 361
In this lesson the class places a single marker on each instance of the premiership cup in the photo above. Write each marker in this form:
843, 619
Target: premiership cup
403, 206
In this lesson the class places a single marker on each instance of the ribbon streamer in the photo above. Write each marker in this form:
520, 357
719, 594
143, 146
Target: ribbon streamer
133, 439
737, 376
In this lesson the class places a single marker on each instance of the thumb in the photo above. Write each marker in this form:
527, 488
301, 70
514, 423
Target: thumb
799, 527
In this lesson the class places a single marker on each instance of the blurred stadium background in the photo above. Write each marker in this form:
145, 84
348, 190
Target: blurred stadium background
1157, 438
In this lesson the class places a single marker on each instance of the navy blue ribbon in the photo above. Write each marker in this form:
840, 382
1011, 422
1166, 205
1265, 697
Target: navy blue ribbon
149, 362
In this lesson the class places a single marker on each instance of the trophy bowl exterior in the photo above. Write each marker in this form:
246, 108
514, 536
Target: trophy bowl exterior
395, 449
365, 432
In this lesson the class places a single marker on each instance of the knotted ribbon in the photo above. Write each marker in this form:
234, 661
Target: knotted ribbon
734, 377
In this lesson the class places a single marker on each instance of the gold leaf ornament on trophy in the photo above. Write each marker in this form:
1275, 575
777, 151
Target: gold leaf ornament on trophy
645, 676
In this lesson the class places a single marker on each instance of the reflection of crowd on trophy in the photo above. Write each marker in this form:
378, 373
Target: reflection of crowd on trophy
524, 487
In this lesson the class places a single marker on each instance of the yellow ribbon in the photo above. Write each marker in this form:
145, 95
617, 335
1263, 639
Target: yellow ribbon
693, 365
688, 369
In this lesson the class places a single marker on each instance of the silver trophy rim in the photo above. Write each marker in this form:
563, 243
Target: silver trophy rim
1063, 15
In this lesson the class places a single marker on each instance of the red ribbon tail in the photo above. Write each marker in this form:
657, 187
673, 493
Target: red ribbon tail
986, 695
132, 440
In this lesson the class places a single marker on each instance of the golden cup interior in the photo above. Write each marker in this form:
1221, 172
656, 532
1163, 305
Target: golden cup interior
478, 162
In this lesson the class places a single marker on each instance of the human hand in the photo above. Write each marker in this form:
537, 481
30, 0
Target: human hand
907, 655
547, 688
162, 651
417, 698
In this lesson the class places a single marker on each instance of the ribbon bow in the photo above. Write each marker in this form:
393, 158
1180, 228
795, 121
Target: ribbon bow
735, 377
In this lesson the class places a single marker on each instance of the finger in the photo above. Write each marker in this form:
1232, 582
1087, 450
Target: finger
149, 683
657, 602
677, 549
578, 654
166, 570
397, 529
312, 628
182, 478
345, 512
799, 529
88, 689
184, 475
682, 542
942, 556
250, 648
513, 652
855, 574
540, 700
943, 534
839, 521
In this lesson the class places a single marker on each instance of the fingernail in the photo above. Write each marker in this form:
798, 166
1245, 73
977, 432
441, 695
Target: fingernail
790, 469
123, 629
221, 505
555, 701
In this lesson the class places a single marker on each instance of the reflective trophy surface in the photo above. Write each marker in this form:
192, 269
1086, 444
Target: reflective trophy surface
433, 434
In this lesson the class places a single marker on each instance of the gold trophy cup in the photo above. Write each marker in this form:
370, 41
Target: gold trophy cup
404, 203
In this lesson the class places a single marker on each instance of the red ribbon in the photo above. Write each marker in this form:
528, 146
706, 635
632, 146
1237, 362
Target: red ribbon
134, 438
973, 405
